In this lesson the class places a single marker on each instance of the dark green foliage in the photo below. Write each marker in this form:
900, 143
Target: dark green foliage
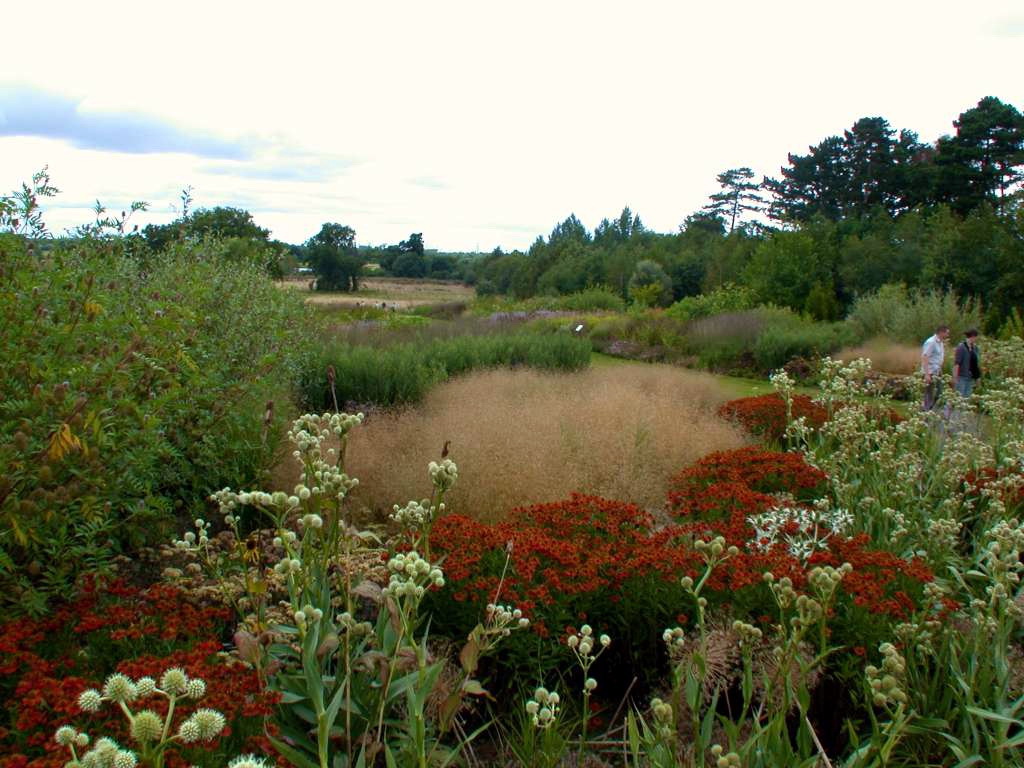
206, 222
822, 303
788, 336
332, 254
869, 167
739, 195
403, 373
129, 393
983, 161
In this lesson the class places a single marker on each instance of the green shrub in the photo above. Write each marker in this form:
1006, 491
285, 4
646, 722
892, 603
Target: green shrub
403, 373
725, 298
760, 340
597, 299
780, 342
912, 316
128, 391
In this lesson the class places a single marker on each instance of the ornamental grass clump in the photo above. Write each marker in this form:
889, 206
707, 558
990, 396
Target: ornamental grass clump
525, 437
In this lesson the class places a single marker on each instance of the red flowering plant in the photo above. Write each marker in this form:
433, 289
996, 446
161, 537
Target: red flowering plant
582, 560
765, 416
1003, 485
758, 470
728, 494
47, 664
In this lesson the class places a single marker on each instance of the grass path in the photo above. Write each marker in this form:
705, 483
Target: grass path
735, 386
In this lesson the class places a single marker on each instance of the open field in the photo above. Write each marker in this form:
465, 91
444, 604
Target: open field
401, 293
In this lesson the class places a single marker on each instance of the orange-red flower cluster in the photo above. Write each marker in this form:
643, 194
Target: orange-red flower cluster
765, 415
758, 470
588, 551
584, 545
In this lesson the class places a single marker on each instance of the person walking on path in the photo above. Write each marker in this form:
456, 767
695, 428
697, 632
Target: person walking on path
933, 352
966, 365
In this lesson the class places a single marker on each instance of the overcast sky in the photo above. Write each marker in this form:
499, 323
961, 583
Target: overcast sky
477, 123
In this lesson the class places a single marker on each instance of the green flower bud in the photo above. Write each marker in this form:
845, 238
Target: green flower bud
174, 681
120, 688
146, 726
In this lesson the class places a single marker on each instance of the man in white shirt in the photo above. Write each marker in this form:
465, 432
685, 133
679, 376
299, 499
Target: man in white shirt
933, 352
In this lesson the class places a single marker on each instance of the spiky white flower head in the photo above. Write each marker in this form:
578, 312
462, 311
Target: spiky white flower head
443, 475
414, 515
174, 681
120, 688
802, 530
188, 731
146, 726
105, 747
209, 723
90, 700
146, 686
605, 641
590, 684
124, 759
249, 761
82, 740
65, 735
195, 688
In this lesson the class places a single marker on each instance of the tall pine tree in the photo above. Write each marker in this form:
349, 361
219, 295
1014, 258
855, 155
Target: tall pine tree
739, 195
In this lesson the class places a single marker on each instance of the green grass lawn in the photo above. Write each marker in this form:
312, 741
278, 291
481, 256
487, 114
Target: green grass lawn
735, 386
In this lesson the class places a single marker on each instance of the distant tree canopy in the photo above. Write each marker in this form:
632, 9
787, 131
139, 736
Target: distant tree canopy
206, 222
871, 168
862, 209
332, 254
239, 235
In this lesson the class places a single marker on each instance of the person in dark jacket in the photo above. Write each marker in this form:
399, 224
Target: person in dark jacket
966, 365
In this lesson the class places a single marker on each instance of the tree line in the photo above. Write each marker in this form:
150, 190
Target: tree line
870, 207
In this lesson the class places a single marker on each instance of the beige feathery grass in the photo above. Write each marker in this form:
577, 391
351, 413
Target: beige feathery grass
521, 437
885, 355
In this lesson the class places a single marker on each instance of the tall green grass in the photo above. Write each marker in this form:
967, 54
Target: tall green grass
597, 299
403, 373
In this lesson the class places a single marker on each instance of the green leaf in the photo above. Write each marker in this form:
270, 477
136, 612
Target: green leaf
293, 756
988, 714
